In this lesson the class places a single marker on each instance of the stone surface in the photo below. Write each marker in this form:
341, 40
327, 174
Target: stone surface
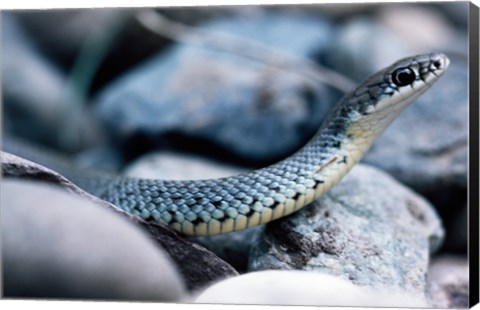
58, 245
277, 287
368, 229
448, 281
197, 273
218, 102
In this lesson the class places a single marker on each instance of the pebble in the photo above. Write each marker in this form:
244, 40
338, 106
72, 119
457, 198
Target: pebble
302, 288
58, 245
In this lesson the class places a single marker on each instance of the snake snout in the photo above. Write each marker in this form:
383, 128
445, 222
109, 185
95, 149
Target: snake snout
439, 61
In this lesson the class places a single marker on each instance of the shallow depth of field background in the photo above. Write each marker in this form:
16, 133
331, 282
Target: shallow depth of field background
188, 93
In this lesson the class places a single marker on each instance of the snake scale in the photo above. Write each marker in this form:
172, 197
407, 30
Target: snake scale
214, 206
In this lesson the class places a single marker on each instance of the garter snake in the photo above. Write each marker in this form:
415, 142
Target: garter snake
213, 206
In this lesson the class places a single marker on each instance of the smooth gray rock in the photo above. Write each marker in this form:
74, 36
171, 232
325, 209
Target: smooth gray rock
227, 103
448, 282
368, 229
281, 287
197, 273
58, 245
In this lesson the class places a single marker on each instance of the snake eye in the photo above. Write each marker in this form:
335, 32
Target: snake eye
403, 76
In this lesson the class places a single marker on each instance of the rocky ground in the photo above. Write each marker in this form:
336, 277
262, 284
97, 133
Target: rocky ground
211, 92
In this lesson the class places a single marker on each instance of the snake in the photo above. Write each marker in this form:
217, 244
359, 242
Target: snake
229, 204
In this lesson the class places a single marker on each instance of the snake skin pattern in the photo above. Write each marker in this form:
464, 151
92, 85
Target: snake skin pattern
208, 207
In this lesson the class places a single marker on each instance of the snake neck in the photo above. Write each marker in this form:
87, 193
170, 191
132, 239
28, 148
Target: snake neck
333, 151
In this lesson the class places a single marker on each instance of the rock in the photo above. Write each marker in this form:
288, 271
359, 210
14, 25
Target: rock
275, 287
197, 273
34, 96
368, 229
448, 282
69, 247
216, 102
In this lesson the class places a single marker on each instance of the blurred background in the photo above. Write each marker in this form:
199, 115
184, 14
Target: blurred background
183, 93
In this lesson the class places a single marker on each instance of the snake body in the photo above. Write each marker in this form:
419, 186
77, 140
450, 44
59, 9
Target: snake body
213, 206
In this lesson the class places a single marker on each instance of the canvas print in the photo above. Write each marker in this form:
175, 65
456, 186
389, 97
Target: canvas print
310, 154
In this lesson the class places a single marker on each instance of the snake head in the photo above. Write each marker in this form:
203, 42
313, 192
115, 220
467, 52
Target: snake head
376, 102
394, 87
